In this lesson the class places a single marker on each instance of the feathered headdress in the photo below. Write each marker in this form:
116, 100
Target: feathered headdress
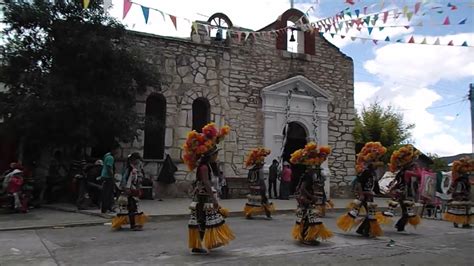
402, 157
462, 166
200, 144
256, 156
311, 154
370, 153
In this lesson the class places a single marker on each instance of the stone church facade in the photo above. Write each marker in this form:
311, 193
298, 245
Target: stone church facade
254, 85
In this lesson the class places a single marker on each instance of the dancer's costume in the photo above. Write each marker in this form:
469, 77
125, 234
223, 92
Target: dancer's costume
207, 227
403, 193
257, 200
367, 160
128, 204
309, 227
459, 209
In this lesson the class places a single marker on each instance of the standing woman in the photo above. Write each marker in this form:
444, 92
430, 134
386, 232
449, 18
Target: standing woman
367, 161
286, 176
309, 228
207, 227
459, 209
403, 160
257, 199
128, 201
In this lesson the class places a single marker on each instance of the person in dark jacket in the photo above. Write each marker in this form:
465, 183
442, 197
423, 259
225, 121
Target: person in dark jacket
272, 179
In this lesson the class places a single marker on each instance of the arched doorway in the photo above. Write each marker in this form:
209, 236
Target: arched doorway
296, 139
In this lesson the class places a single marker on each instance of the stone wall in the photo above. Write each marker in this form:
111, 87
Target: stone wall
231, 75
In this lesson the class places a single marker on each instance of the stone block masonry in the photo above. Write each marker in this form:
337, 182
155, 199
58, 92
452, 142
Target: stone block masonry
231, 76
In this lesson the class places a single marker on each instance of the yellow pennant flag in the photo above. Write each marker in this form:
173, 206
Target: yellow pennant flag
86, 3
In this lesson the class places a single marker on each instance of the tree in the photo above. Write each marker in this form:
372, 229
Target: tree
376, 123
70, 78
438, 163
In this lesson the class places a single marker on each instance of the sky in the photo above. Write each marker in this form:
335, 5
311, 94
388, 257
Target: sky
428, 84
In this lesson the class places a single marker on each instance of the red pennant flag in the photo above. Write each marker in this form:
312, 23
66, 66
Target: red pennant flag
350, 2
173, 19
417, 7
451, 43
412, 40
446, 21
385, 16
127, 4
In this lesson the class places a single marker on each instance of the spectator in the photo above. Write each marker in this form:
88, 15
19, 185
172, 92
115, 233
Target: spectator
286, 177
272, 179
108, 180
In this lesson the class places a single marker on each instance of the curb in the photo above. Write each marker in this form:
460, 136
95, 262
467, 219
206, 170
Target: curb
56, 226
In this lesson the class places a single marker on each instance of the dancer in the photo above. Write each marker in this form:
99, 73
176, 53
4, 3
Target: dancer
207, 227
128, 200
367, 161
309, 227
403, 160
257, 199
459, 209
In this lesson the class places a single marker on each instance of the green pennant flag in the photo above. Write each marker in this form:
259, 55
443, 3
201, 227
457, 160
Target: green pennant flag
409, 15
332, 35
367, 20
381, 28
399, 40
387, 39
376, 17
464, 43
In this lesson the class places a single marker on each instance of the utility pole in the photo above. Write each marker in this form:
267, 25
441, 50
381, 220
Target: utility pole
471, 99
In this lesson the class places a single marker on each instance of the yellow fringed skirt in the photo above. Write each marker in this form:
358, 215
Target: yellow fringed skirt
314, 232
213, 237
382, 219
120, 220
345, 222
250, 210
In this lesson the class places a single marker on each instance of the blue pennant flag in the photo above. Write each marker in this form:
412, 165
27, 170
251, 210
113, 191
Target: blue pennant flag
370, 29
387, 39
462, 22
146, 13
357, 11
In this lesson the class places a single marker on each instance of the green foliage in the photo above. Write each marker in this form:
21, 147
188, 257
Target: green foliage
438, 164
376, 123
69, 75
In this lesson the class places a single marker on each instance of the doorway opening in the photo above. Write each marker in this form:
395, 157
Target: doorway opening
296, 139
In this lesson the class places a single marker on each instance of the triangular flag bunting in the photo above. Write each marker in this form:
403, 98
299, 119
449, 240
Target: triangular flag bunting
370, 29
387, 39
385, 16
436, 42
367, 20
146, 13
173, 19
424, 41
409, 15
376, 17
353, 39
462, 22
464, 43
365, 10
162, 14
375, 41
451, 43
407, 27
343, 36
332, 35
381, 28
399, 40
405, 10
357, 11
127, 4
86, 3
417, 7
446, 21
412, 40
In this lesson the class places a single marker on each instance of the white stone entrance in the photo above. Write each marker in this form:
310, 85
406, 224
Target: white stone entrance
301, 111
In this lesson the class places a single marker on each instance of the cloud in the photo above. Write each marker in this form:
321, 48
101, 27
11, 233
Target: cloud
363, 92
408, 74
443, 144
424, 64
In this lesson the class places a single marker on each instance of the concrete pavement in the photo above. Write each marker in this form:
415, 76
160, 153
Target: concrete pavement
67, 215
258, 242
